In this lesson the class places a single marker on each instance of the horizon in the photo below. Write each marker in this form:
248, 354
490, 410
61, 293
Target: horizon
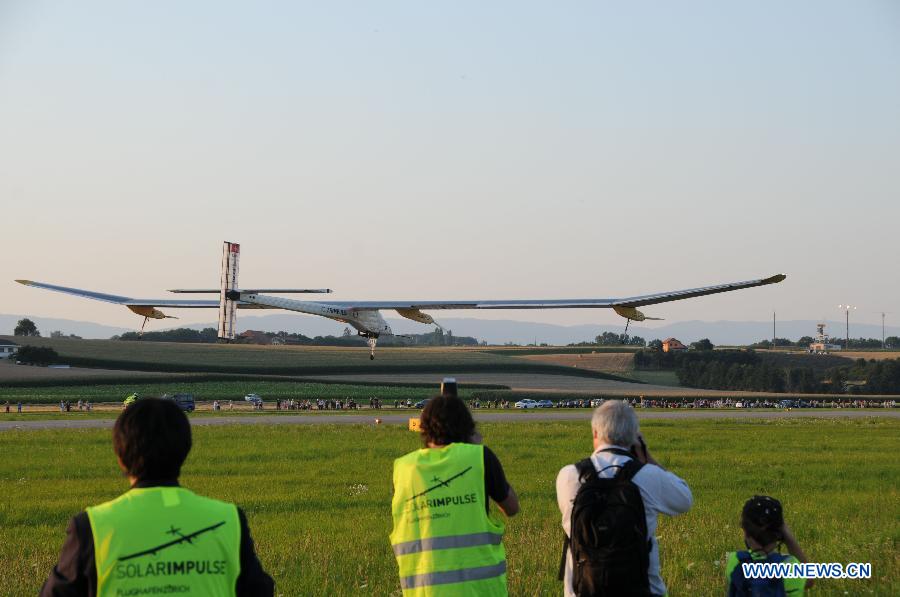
494, 331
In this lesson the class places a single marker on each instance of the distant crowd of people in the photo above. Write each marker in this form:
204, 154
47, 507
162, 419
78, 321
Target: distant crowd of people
374, 403
766, 403
82, 405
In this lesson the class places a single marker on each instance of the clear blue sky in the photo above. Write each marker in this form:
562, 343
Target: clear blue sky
461, 150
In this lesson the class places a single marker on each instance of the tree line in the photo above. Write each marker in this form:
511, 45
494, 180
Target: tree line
747, 370
805, 341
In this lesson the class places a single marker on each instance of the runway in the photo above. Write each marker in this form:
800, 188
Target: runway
486, 417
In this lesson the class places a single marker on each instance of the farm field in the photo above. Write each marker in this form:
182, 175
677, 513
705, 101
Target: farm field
619, 363
312, 492
19, 374
289, 360
878, 355
611, 362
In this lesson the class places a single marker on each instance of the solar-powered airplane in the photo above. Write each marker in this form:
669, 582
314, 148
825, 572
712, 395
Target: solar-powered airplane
365, 316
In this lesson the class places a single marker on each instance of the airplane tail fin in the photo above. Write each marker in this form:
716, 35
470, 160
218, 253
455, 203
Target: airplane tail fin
229, 291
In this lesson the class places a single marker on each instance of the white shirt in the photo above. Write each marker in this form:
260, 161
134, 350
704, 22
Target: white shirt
662, 492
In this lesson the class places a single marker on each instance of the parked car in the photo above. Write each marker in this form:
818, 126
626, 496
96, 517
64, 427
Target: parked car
596, 402
184, 401
545, 404
421, 403
786, 404
526, 403
253, 399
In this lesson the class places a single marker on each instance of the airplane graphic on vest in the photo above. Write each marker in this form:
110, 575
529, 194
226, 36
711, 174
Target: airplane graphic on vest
441, 483
189, 538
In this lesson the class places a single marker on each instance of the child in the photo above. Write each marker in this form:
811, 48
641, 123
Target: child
764, 530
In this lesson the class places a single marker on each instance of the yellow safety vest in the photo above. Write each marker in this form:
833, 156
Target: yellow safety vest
165, 541
444, 540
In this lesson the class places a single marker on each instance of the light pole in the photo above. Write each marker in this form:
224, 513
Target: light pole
847, 309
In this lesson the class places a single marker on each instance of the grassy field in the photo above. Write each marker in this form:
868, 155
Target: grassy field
290, 360
318, 497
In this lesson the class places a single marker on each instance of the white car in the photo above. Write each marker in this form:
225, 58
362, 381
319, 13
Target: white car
253, 399
527, 403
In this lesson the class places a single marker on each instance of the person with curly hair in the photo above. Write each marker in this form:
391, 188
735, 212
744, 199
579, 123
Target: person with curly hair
446, 539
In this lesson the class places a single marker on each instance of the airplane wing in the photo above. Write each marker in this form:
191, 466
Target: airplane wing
601, 303
256, 290
138, 302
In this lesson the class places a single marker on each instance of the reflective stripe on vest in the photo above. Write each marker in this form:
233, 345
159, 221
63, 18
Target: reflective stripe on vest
165, 540
443, 538
442, 578
472, 540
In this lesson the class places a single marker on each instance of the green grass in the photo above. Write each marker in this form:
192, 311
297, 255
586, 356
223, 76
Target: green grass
318, 498
655, 377
291, 360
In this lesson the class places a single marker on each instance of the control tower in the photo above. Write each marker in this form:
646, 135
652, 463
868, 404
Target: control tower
822, 344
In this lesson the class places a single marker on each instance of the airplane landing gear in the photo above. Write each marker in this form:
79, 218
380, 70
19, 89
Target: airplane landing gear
371, 342
141, 333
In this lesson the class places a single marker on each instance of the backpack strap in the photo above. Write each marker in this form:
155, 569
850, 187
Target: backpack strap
738, 584
562, 560
586, 469
629, 469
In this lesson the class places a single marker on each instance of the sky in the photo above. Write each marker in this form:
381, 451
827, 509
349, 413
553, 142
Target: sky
462, 150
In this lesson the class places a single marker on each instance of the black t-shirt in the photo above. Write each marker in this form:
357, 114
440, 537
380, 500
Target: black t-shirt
495, 483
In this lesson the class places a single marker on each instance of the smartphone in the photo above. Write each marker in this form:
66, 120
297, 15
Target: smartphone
448, 387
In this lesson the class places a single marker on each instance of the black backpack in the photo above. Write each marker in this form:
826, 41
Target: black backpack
608, 534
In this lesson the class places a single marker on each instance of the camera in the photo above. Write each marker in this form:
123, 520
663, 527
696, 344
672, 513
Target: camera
448, 387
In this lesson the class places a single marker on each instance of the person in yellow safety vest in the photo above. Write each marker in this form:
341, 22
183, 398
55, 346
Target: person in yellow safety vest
158, 537
445, 538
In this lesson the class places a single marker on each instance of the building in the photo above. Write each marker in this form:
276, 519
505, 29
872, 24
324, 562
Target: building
821, 345
255, 337
7, 348
673, 345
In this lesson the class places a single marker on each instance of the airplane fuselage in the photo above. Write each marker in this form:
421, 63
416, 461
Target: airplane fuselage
368, 323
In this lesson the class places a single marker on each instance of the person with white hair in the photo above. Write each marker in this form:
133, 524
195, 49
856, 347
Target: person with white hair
619, 490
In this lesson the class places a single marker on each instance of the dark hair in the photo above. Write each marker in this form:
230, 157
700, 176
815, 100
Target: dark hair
152, 438
762, 519
445, 420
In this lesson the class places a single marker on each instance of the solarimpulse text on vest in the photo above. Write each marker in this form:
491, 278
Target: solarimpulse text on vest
132, 570
452, 500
